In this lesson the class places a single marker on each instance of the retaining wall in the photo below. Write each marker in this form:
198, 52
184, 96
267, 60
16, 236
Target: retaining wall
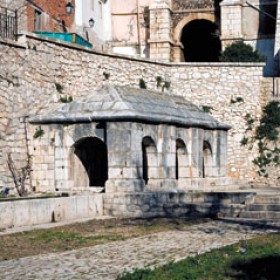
28, 212
35, 72
170, 204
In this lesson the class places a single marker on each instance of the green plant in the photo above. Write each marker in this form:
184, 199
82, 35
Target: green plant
249, 121
266, 138
244, 141
238, 99
39, 132
58, 87
166, 85
106, 75
260, 260
207, 109
66, 99
142, 84
162, 83
240, 52
159, 81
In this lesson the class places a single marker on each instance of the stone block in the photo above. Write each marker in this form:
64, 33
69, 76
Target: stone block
115, 173
130, 173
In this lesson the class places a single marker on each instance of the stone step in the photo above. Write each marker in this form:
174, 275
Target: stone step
267, 199
263, 207
272, 223
259, 215
205, 209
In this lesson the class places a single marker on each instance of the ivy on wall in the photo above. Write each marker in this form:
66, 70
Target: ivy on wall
266, 138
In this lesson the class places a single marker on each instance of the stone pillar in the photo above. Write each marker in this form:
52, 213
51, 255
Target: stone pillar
160, 31
124, 158
231, 21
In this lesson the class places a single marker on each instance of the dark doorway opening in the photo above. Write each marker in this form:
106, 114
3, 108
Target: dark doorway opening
207, 160
149, 153
201, 41
181, 159
92, 152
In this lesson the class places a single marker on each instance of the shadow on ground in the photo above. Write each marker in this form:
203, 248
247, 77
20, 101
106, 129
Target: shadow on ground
266, 268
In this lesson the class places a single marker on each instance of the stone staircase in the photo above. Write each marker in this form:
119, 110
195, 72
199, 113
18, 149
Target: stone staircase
260, 207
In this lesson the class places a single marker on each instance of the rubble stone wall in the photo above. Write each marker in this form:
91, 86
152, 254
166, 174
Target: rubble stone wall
35, 72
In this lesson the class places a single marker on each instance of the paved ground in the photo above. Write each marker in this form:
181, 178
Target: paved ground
104, 262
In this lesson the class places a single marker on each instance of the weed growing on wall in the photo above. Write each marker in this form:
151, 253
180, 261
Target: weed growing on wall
106, 75
207, 109
38, 133
58, 87
161, 83
266, 138
238, 99
142, 84
66, 99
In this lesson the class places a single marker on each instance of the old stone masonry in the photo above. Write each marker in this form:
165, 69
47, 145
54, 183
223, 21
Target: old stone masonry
105, 262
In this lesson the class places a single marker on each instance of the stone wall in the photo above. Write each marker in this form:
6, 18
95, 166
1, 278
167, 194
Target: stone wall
28, 212
37, 71
168, 204
192, 4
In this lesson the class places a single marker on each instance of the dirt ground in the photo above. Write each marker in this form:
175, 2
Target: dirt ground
69, 237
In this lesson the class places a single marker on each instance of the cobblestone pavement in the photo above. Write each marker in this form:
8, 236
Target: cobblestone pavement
105, 262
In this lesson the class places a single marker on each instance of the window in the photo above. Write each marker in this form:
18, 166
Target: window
37, 21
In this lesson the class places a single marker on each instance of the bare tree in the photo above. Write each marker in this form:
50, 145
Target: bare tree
20, 175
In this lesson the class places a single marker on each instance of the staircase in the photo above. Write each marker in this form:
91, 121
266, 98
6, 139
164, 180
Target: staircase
263, 207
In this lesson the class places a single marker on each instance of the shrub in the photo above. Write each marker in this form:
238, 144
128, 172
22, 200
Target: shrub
266, 138
241, 52
142, 84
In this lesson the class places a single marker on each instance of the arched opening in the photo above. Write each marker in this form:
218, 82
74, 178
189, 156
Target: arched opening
149, 153
92, 153
201, 41
181, 159
207, 160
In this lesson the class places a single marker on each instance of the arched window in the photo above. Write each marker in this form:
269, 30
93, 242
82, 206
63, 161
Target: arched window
181, 160
201, 41
207, 160
149, 152
89, 159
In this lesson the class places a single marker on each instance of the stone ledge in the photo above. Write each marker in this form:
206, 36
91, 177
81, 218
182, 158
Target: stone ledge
130, 58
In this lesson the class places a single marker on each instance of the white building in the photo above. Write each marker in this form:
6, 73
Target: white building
100, 12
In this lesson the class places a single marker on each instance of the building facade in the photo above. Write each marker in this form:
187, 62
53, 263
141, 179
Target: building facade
38, 15
192, 31
100, 12
161, 30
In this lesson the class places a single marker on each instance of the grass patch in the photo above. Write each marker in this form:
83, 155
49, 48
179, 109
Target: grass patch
260, 261
91, 233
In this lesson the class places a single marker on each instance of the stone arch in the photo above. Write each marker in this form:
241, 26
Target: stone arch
197, 16
181, 159
207, 162
89, 162
149, 154
197, 39
201, 41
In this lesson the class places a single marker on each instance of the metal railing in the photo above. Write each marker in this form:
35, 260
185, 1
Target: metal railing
8, 23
